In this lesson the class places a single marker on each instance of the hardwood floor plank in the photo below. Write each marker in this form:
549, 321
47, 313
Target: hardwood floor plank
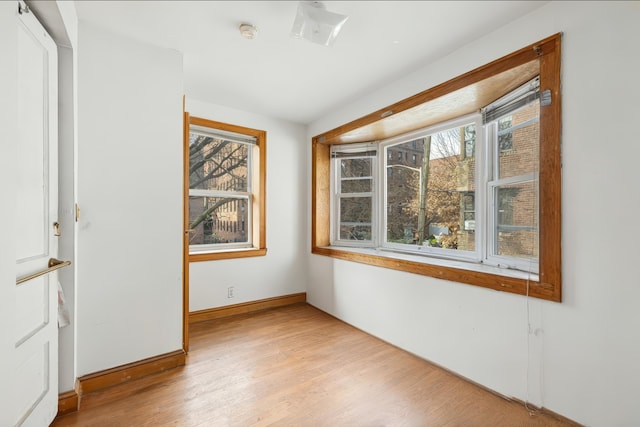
298, 366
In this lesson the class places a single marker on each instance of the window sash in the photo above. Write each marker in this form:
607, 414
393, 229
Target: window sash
239, 196
387, 145
494, 228
219, 193
494, 183
247, 196
353, 152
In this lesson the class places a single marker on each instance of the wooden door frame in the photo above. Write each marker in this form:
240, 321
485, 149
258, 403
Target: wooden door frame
185, 230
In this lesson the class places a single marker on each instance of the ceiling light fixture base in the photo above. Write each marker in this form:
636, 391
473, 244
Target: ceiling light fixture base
316, 24
248, 31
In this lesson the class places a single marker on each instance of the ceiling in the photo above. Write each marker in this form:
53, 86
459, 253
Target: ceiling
294, 79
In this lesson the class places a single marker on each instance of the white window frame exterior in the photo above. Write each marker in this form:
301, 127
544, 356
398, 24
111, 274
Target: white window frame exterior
493, 182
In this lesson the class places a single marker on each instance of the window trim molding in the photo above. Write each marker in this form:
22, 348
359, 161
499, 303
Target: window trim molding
548, 285
259, 203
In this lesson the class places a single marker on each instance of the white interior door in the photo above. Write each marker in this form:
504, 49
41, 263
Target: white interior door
36, 333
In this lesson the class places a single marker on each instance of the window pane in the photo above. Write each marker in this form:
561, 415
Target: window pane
425, 204
356, 175
505, 134
519, 142
356, 185
217, 164
218, 220
355, 168
403, 194
470, 140
517, 220
466, 235
355, 218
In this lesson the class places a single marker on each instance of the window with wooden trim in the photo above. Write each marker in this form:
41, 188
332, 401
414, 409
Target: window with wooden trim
460, 182
224, 190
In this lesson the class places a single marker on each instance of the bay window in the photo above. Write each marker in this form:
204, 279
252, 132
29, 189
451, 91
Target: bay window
459, 182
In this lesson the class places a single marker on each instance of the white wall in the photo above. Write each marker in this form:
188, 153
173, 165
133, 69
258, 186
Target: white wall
129, 188
583, 363
67, 144
8, 132
66, 217
282, 270
67, 171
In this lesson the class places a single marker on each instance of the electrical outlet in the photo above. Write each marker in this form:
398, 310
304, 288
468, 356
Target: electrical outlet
230, 292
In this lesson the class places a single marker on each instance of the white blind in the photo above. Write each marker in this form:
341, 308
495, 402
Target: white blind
366, 149
221, 134
525, 94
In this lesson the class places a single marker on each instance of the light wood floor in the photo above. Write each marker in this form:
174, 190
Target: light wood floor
297, 366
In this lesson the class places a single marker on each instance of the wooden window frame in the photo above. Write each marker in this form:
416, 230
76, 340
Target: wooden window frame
259, 222
541, 58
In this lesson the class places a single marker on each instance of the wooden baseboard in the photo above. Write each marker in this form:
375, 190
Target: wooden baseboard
130, 371
246, 307
68, 402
